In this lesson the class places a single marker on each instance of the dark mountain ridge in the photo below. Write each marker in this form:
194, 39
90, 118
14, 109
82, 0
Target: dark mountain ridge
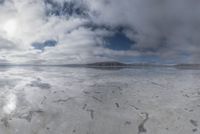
112, 64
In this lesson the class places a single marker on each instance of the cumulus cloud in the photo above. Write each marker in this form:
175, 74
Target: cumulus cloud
167, 29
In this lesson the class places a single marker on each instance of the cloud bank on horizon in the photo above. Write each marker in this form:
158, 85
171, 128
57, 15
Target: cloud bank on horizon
82, 31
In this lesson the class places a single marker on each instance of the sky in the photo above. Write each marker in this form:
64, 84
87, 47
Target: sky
86, 31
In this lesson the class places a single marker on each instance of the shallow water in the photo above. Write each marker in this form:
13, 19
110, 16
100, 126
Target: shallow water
56, 100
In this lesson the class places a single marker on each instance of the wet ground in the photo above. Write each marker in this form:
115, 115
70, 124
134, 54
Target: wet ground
56, 100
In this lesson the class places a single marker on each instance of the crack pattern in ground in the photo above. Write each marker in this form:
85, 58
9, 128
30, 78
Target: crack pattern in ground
141, 128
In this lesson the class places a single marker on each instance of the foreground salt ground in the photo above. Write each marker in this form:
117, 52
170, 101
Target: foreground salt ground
89, 101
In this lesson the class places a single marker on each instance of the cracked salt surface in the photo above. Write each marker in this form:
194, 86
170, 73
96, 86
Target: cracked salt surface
56, 100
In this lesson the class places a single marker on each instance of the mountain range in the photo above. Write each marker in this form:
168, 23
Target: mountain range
114, 64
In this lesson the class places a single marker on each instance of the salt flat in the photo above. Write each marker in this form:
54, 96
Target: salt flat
58, 100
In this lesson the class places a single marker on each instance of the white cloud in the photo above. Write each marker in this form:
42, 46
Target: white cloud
167, 28
25, 22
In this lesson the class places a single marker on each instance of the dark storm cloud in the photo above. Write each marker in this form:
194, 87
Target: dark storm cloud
167, 28
2, 1
65, 8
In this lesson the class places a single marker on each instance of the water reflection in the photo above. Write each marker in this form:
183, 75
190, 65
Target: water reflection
90, 101
10, 103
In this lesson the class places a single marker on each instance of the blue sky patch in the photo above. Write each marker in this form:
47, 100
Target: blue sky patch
42, 45
118, 42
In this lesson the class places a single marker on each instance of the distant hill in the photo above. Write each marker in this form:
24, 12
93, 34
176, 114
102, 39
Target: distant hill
106, 64
119, 64
187, 66
114, 64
